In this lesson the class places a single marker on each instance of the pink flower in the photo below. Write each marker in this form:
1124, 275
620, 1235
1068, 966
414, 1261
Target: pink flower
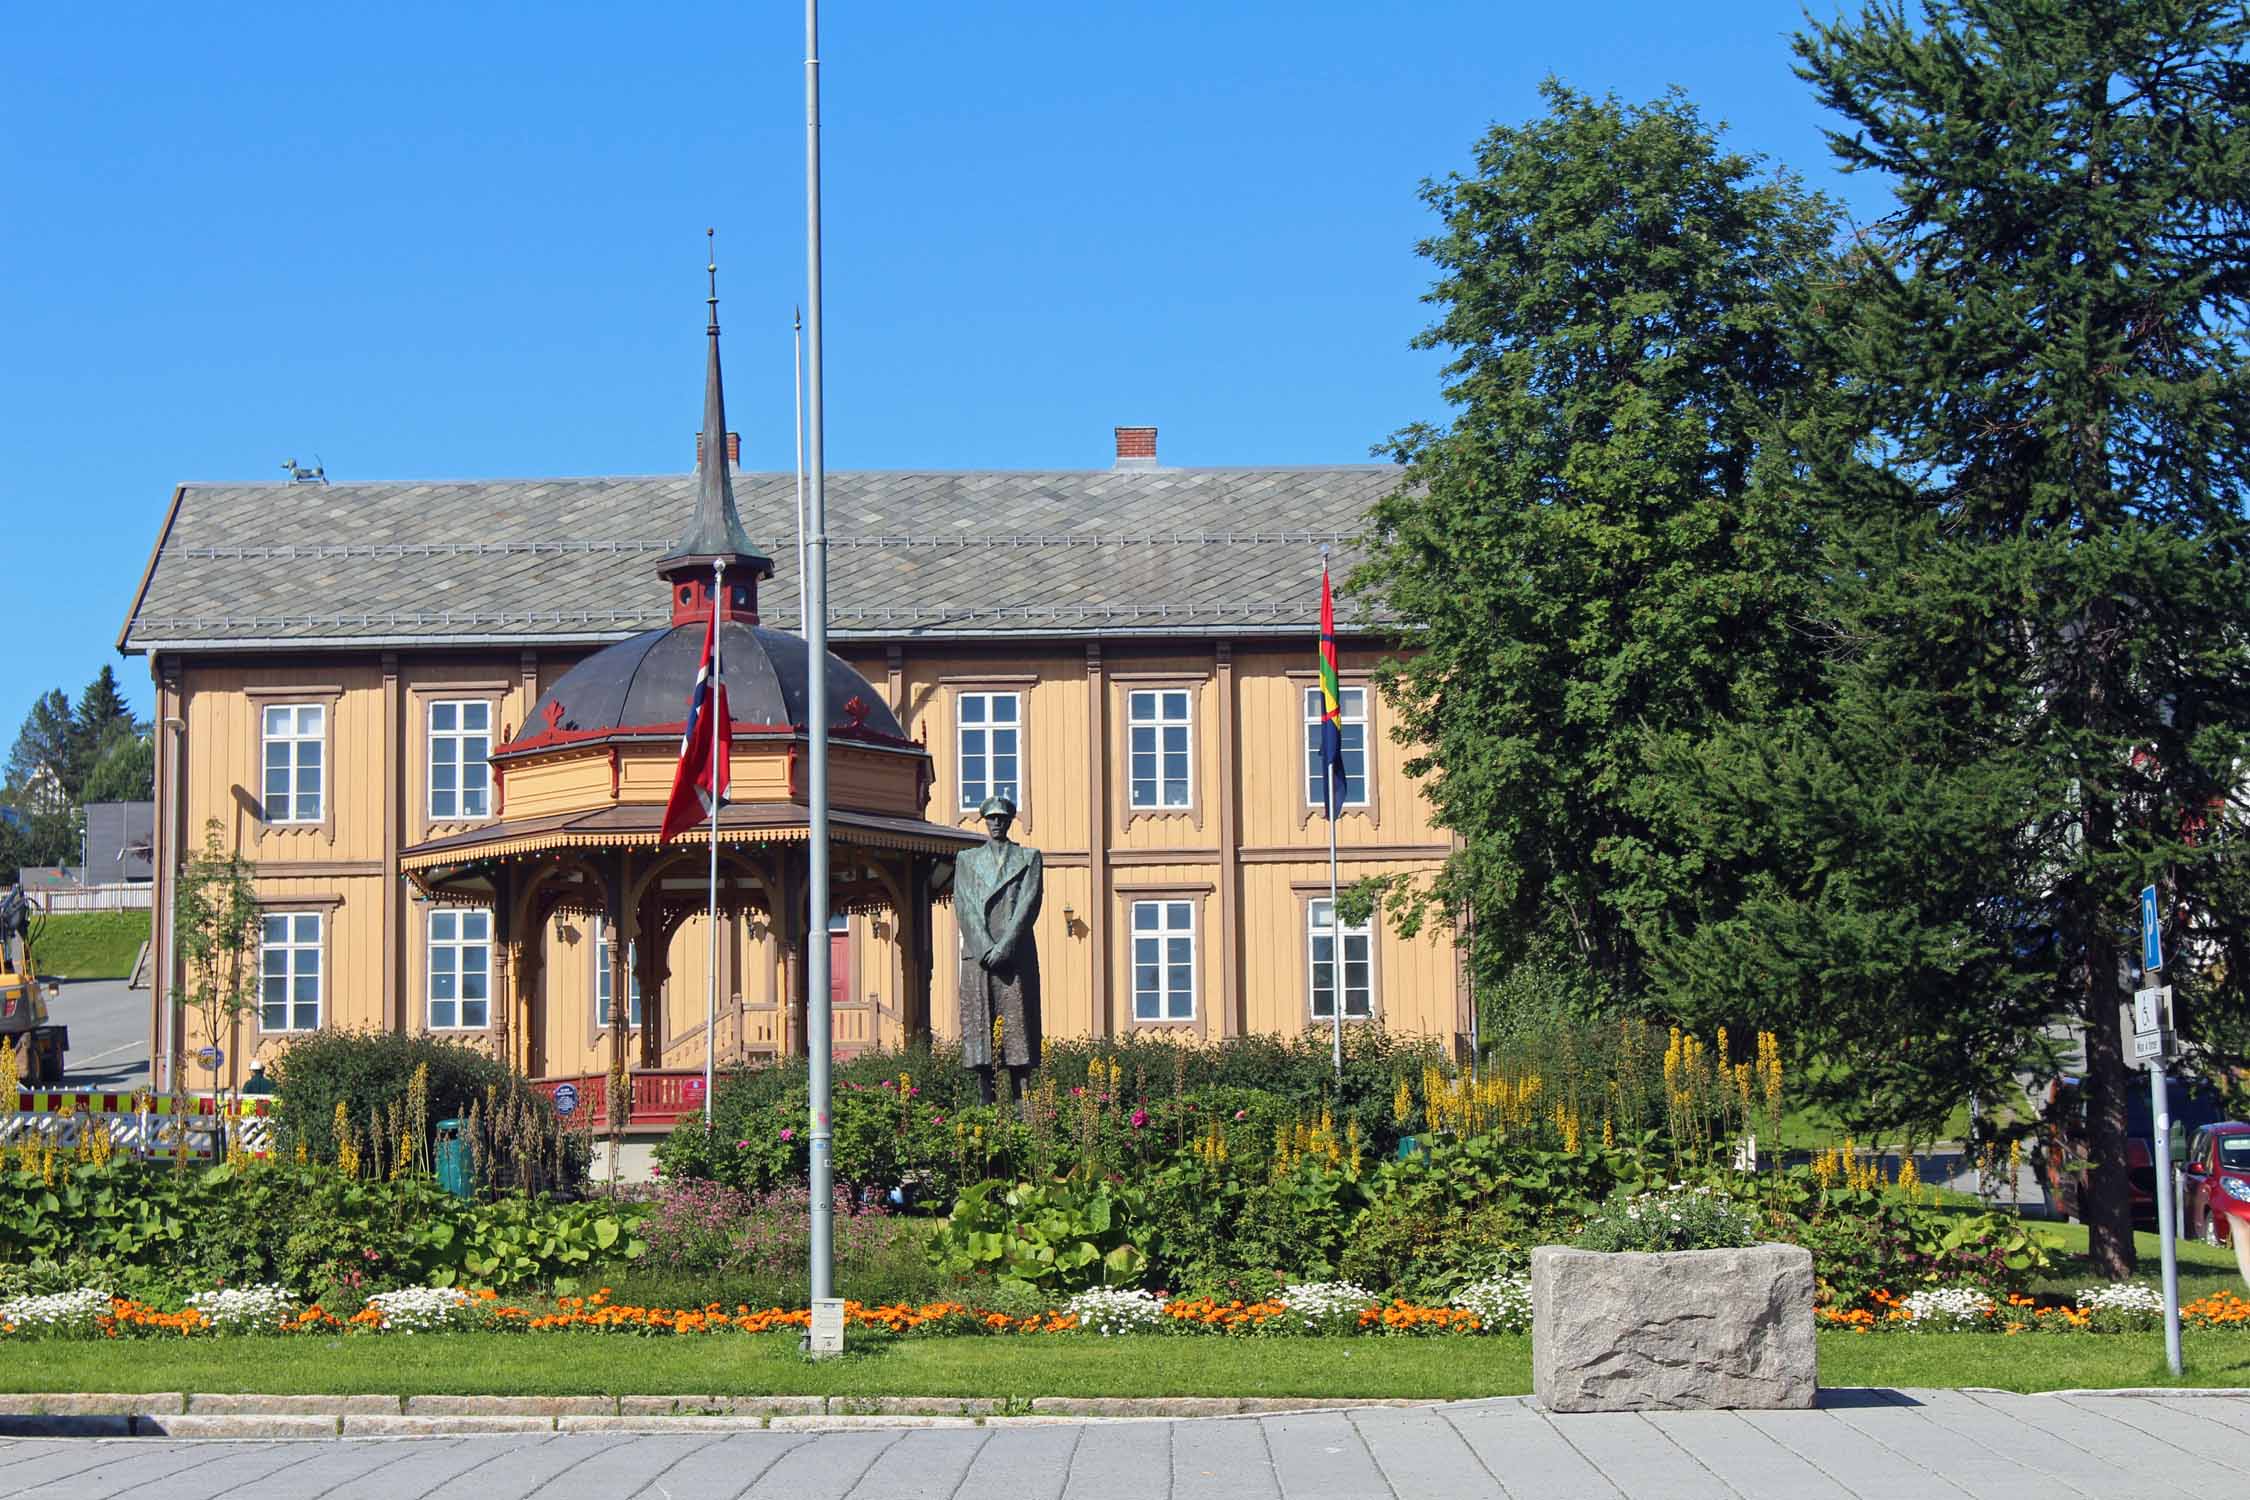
741, 1145
787, 1134
1077, 1091
1241, 1113
937, 1119
1140, 1118
913, 1093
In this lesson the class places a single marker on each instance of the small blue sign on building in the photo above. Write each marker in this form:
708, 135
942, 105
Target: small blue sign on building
2152, 936
566, 1098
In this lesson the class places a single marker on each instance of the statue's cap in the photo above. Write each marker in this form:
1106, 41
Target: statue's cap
998, 802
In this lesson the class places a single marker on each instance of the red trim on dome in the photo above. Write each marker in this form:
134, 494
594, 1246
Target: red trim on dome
552, 739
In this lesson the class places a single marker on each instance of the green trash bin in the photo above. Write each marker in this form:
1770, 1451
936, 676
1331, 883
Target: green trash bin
452, 1159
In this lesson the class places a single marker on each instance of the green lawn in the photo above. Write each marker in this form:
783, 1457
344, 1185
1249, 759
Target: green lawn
768, 1364
2204, 1269
90, 945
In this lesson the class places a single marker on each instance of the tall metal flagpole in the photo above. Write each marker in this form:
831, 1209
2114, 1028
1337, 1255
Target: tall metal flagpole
718, 748
804, 604
816, 698
1335, 916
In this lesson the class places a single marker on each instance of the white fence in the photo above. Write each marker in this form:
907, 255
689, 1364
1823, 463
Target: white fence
120, 897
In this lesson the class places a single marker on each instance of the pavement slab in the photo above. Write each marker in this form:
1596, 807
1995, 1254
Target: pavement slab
1857, 1445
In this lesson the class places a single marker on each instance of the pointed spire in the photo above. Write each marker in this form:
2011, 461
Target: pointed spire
716, 532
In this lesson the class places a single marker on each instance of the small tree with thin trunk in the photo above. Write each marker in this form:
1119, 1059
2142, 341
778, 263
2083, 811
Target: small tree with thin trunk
215, 915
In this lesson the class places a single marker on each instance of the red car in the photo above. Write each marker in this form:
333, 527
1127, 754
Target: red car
2215, 1181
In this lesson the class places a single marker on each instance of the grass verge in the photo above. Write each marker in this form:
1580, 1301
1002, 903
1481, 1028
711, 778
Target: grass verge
90, 944
596, 1364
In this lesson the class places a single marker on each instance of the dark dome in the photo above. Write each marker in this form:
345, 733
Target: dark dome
642, 685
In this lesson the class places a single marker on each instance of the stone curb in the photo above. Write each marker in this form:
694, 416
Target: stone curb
249, 1415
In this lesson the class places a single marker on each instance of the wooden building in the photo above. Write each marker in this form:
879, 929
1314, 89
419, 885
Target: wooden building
346, 674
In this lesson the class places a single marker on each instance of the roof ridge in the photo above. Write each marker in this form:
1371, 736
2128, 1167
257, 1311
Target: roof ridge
779, 475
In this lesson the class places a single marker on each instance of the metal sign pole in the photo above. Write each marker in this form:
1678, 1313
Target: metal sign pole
2152, 1023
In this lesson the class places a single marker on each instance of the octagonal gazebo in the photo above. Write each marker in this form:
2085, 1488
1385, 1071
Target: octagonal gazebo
580, 792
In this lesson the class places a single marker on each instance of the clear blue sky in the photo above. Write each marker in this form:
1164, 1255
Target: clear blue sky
467, 240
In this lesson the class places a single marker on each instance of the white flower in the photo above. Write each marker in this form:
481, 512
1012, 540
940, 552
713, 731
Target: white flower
243, 1308
419, 1309
1327, 1306
2124, 1297
1950, 1309
56, 1312
1108, 1310
1502, 1303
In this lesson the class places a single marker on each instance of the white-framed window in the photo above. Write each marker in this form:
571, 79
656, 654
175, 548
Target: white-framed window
1157, 727
1359, 964
604, 982
289, 971
460, 970
1351, 718
991, 747
296, 738
460, 741
1163, 960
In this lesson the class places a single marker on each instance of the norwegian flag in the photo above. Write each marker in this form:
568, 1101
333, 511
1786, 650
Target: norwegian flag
700, 782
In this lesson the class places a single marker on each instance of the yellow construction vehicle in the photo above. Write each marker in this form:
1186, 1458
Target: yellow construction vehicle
23, 997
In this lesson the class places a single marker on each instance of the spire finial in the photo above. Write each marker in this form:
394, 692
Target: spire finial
711, 247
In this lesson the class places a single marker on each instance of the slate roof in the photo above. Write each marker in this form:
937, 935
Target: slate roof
1201, 552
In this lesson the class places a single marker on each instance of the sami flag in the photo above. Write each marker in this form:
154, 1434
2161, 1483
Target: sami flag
1331, 704
701, 780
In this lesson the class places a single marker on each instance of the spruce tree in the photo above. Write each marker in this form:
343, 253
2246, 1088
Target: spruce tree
2032, 624
1590, 555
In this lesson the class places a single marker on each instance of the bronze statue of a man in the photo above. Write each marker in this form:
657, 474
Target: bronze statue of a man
996, 891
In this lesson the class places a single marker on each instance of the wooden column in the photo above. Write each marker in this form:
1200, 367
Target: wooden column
788, 940
394, 967
1097, 838
504, 966
648, 965
624, 929
1233, 1016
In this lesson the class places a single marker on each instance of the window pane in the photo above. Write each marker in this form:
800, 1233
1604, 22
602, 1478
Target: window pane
1143, 705
277, 754
441, 778
308, 927
308, 754
441, 1014
1354, 702
305, 988
441, 717
442, 749
1004, 708
476, 925
972, 708
477, 716
1175, 740
475, 773
277, 721
308, 806
1178, 915
309, 719
1175, 705
476, 1013
1145, 914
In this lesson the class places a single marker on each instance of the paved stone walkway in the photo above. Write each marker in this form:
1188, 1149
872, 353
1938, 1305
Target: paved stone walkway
1909, 1444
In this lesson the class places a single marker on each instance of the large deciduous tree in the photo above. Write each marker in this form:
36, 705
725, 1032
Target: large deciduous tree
1593, 552
2033, 615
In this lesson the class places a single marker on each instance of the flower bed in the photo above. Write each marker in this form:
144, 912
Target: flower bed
2123, 1307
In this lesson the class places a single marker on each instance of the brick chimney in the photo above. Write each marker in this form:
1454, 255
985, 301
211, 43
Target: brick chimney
1136, 447
734, 447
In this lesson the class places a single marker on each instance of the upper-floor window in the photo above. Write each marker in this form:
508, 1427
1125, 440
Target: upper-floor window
605, 983
1359, 974
1157, 723
1351, 716
991, 748
296, 737
460, 740
289, 969
1163, 960
460, 970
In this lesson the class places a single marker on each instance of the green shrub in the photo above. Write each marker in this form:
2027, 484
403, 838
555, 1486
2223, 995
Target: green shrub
1673, 1218
516, 1138
311, 1227
1053, 1237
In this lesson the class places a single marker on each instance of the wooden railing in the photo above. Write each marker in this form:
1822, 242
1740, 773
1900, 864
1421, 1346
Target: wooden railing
658, 1098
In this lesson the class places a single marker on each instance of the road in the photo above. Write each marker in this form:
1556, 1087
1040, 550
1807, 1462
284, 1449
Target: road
1872, 1445
108, 1035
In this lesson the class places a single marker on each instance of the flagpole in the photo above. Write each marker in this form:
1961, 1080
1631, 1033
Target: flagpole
1335, 915
718, 748
817, 996
804, 605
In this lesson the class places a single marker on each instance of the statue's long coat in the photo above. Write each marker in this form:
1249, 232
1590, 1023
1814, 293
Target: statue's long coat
996, 893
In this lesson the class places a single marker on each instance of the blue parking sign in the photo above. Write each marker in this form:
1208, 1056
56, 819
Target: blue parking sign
566, 1098
2152, 936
